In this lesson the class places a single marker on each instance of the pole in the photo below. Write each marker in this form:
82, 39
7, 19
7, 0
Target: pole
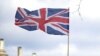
68, 46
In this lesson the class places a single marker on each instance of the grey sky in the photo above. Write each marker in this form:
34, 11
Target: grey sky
84, 34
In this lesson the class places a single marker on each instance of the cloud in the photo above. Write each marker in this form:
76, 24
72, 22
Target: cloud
59, 50
16, 36
11, 50
84, 34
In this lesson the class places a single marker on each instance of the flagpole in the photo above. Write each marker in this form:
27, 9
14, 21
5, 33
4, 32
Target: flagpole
68, 46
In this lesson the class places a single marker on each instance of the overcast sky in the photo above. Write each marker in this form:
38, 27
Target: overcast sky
84, 32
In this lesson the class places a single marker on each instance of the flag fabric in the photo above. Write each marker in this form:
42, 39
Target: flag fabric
50, 20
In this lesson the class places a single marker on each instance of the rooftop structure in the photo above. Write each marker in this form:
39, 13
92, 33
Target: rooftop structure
2, 50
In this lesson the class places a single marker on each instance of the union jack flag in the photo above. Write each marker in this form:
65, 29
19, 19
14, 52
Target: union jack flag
49, 20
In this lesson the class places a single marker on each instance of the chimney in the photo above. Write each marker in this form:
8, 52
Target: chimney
1, 44
34, 54
19, 51
2, 50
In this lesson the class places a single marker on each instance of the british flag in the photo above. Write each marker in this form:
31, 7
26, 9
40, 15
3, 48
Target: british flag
49, 20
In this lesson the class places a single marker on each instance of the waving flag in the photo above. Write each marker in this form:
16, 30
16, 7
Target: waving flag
49, 20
